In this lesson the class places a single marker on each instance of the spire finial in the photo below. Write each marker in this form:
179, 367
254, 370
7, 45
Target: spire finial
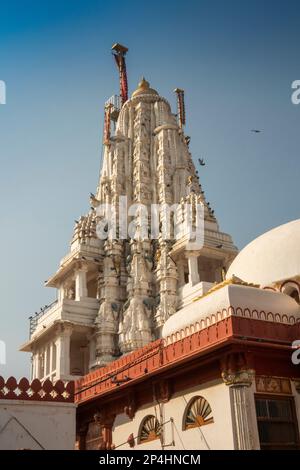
144, 85
144, 88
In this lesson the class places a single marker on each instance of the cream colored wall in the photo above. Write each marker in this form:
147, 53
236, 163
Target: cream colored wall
218, 435
36, 425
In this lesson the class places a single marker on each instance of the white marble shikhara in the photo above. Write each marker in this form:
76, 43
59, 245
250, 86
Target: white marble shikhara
115, 296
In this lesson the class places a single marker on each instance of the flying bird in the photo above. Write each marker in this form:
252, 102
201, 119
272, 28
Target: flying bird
201, 161
256, 131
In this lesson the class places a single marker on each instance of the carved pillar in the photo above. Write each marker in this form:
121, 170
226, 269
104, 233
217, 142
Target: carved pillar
105, 420
63, 351
45, 361
239, 378
35, 366
38, 366
194, 277
51, 359
81, 283
41, 365
110, 294
180, 269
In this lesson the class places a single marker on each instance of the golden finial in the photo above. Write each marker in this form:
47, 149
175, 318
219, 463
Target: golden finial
144, 89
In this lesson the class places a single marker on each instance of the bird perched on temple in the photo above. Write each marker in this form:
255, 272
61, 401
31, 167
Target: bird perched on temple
93, 200
201, 161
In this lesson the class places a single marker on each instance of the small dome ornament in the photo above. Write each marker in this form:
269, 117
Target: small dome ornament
144, 89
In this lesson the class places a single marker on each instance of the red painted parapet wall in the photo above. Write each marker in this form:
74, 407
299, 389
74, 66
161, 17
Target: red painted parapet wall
160, 355
46, 391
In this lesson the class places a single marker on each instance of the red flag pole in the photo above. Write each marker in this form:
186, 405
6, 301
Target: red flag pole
119, 53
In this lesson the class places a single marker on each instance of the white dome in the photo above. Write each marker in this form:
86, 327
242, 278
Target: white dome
274, 256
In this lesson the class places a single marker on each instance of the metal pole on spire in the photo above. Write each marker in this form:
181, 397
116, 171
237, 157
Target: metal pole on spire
180, 106
119, 53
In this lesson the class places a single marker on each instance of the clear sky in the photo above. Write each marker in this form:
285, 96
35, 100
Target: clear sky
235, 59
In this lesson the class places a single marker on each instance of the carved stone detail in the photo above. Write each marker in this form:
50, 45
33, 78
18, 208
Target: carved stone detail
127, 282
162, 390
105, 420
238, 378
237, 375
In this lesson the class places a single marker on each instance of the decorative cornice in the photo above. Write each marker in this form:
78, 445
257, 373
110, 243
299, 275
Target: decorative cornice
236, 370
241, 378
240, 312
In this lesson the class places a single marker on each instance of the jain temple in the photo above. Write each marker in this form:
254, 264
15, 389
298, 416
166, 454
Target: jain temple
162, 341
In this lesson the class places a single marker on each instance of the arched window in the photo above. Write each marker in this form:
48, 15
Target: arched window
197, 413
150, 429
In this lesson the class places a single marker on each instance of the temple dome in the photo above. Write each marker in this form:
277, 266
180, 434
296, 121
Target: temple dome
272, 257
144, 89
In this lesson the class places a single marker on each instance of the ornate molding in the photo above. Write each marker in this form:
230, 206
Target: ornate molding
241, 312
268, 384
242, 378
236, 370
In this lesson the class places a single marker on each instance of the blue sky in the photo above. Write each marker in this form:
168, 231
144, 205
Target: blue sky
235, 59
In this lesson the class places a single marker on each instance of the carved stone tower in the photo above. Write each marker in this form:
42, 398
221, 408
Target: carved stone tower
115, 294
